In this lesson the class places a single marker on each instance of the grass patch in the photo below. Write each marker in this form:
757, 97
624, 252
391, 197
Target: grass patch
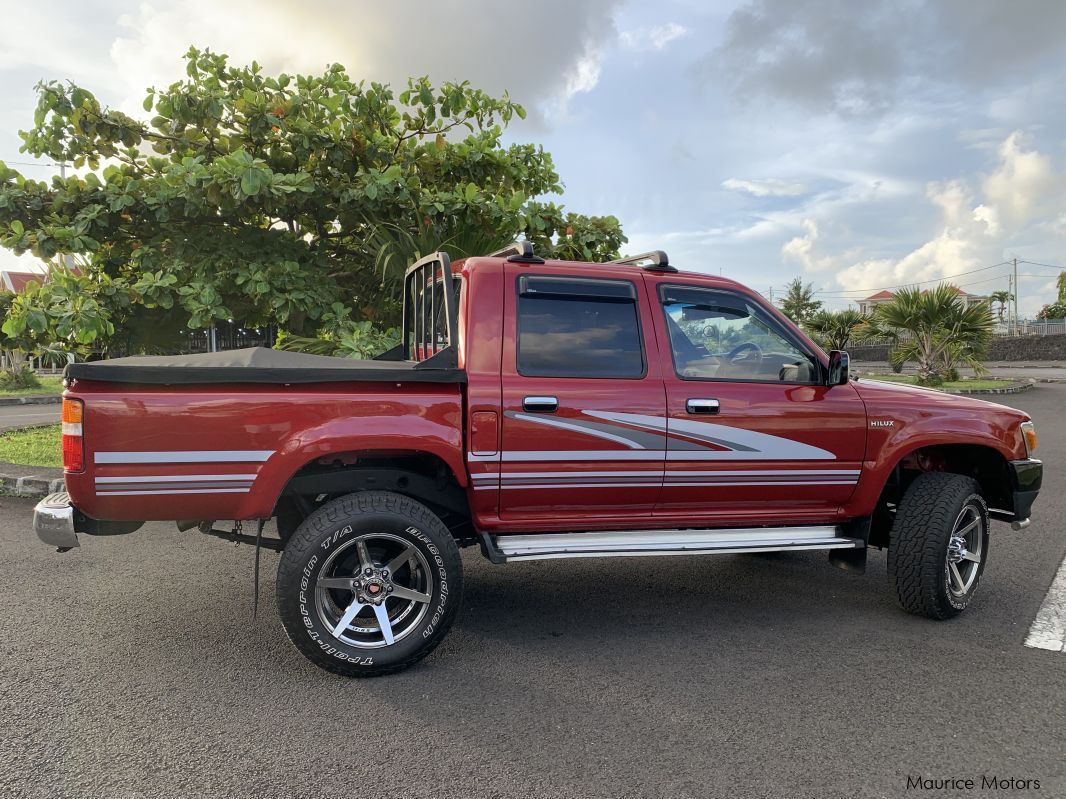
954, 384
37, 446
49, 385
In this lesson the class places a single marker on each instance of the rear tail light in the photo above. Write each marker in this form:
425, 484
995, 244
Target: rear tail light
73, 440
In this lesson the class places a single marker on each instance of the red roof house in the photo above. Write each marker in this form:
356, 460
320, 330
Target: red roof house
866, 306
17, 281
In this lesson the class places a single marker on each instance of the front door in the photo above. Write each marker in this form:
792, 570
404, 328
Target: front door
754, 434
580, 354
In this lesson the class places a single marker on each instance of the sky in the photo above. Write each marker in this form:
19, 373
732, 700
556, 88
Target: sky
859, 146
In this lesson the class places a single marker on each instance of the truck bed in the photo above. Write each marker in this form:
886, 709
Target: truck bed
259, 365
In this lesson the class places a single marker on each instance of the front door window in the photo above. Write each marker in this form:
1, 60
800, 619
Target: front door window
721, 336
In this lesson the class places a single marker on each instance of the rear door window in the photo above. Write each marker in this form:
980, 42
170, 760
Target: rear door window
578, 327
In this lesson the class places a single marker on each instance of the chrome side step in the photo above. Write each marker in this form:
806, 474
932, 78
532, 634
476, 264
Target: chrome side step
631, 543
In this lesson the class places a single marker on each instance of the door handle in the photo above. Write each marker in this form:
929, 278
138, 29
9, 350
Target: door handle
702, 406
540, 404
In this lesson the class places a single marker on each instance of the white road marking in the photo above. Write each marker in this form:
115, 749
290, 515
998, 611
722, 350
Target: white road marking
1049, 627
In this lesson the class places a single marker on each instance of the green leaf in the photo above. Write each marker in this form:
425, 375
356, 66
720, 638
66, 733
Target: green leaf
251, 182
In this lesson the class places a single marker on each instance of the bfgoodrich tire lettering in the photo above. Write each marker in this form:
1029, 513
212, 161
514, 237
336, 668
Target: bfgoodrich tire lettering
369, 584
939, 545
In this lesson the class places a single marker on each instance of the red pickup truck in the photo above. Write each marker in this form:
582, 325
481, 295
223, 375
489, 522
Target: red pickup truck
539, 409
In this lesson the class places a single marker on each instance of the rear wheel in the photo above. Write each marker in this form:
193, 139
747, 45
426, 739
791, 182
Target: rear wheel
369, 584
938, 545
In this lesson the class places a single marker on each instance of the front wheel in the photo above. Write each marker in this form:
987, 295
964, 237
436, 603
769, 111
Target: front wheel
369, 584
938, 545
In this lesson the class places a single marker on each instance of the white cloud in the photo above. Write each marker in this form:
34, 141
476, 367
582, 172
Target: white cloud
1022, 184
133, 46
767, 187
655, 38
585, 74
975, 228
801, 249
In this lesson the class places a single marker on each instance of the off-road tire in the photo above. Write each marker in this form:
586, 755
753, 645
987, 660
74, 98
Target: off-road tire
328, 527
918, 545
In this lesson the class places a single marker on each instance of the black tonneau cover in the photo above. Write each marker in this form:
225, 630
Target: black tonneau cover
261, 365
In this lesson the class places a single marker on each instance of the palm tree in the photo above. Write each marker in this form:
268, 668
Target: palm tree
1001, 297
834, 329
799, 304
935, 329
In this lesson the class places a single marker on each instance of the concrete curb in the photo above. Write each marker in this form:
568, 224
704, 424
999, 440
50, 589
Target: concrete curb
1016, 388
29, 486
32, 399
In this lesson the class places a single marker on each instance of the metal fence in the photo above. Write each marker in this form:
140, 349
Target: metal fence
1036, 327
1026, 327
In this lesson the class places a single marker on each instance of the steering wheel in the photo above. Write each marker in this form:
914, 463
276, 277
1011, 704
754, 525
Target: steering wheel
734, 354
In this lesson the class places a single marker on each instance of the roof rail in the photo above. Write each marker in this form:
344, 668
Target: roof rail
519, 252
656, 261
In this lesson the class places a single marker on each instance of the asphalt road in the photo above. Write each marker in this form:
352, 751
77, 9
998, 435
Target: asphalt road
21, 415
133, 667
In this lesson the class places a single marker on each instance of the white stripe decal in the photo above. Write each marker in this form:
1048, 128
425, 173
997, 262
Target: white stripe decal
494, 475
611, 456
750, 445
673, 485
187, 456
179, 478
588, 431
767, 483
686, 474
726, 455
1049, 627
533, 456
169, 491
773, 472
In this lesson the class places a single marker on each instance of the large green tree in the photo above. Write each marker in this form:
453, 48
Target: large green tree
295, 199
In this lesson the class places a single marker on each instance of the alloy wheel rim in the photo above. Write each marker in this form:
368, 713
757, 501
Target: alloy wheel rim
966, 548
373, 590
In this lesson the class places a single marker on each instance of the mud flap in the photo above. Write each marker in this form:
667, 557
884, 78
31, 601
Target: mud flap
853, 560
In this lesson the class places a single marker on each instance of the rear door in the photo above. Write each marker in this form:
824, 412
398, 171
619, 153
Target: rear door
754, 434
579, 358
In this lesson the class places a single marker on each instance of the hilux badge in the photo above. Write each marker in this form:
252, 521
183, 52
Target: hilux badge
882, 423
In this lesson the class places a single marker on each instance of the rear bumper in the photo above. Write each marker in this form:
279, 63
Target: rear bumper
1026, 477
57, 522
53, 521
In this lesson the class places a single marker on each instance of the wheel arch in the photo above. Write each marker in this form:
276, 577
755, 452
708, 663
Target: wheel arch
985, 463
415, 473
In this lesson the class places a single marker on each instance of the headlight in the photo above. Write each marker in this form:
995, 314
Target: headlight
1029, 437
